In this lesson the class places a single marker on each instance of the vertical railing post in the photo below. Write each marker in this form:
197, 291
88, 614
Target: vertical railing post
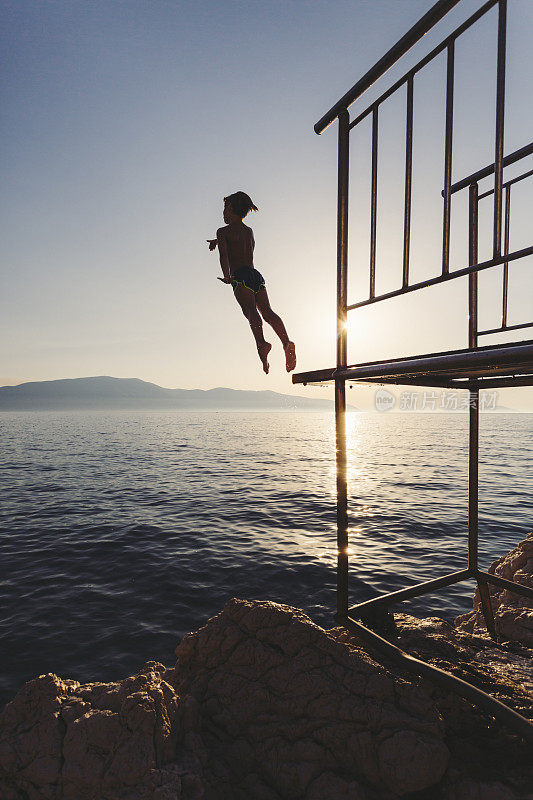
408, 181
448, 148
340, 385
473, 448
473, 445
374, 200
500, 115
505, 290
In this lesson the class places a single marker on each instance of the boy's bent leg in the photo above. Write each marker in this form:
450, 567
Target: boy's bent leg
276, 322
246, 299
273, 319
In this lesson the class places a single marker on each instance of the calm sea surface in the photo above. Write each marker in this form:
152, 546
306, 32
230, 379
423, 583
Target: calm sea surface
121, 531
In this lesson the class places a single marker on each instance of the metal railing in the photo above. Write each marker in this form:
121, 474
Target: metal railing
471, 369
472, 183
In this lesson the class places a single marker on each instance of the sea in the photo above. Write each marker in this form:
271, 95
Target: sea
120, 532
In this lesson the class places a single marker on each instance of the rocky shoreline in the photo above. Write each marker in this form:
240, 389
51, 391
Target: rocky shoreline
262, 704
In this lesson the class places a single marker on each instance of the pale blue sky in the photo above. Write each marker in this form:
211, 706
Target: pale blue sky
123, 125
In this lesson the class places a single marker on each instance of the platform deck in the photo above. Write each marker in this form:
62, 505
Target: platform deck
482, 367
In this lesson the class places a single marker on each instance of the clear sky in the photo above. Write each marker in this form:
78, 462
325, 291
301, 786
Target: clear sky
123, 125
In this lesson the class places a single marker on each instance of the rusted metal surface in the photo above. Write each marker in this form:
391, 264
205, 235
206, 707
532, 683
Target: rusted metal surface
448, 143
510, 359
412, 591
500, 116
473, 405
340, 385
505, 288
408, 181
374, 200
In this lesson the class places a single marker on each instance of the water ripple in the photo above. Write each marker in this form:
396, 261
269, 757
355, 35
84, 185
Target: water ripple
121, 532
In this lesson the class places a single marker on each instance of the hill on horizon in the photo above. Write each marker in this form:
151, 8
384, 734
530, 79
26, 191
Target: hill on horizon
105, 392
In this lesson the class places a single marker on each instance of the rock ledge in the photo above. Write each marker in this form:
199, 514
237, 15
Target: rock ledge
262, 704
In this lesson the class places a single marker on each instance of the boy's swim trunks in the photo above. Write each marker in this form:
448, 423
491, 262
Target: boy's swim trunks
248, 277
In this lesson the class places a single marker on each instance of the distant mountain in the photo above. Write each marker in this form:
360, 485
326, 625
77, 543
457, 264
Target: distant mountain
131, 393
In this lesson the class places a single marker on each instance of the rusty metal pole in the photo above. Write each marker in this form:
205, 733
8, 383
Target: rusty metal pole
408, 182
473, 448
500, 116
340, 384
448, 148
505, 289
374, 200
473, 453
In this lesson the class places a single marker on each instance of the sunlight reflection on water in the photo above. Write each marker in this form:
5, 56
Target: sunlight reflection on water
123, 531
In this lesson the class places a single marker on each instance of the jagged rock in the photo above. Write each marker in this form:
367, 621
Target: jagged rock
513, 613
263, 704
281, 699
488, 762
60, 740
504, 670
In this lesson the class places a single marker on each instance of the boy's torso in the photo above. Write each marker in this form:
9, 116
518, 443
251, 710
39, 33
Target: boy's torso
240, 243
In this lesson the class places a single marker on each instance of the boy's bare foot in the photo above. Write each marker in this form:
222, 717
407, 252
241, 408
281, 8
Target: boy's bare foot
264, 350
290, 356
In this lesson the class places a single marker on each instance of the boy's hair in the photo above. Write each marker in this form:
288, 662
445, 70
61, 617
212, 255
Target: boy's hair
241, 203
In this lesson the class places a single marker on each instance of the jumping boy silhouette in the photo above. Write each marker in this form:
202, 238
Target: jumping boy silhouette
236, 249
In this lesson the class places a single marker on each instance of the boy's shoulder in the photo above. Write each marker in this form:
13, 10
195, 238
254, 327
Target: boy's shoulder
229, 228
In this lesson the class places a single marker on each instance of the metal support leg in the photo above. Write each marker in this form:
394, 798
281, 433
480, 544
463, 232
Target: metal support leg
473, 439
342, 499
486, 607
473, 479
340, 386
473, 514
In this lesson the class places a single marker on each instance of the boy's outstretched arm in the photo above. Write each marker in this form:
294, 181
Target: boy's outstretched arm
223, 253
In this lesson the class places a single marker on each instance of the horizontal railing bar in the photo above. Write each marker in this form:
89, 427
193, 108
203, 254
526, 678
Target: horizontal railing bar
412, 591
469, 365
462, 384
456, 383
489, 704
408, 380
438, 382
328, 374
505, 328
489, 169
511, 586
460, 273
315, 376
413, 35
485, 348
527, 174
466, 374
421, 64
508, 381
